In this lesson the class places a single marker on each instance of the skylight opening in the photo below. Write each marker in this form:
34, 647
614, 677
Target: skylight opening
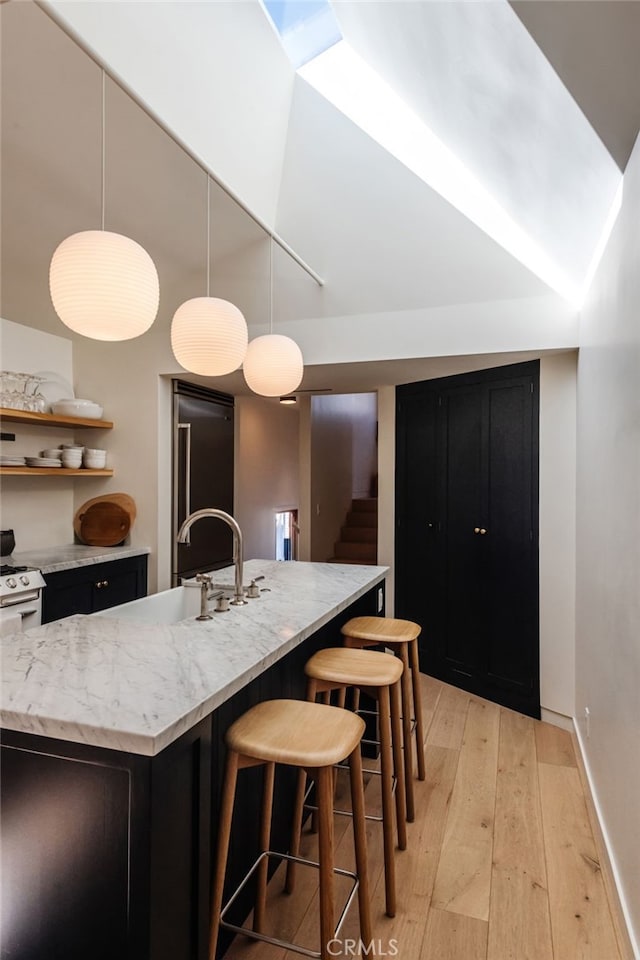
306, 27
341, 76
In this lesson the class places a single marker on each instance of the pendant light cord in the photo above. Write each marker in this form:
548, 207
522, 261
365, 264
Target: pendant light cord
270, 285
208, 233
104, 141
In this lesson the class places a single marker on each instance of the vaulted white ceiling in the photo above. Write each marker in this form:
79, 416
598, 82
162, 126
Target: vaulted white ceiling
405, 271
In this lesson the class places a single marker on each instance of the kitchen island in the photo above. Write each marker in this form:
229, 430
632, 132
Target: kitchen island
112, 760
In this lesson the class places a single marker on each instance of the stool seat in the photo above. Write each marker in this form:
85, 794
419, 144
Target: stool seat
296, 732
381, 630
354, 667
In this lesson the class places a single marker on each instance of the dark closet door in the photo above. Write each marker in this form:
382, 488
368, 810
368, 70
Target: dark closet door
466, 539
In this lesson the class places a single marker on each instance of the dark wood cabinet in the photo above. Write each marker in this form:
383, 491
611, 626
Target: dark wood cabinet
109, 855
467, 529
93, 587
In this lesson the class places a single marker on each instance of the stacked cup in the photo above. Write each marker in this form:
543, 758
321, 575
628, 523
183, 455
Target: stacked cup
71, 456
94, 459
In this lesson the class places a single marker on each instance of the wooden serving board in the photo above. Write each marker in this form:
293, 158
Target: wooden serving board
119, 499
103, 524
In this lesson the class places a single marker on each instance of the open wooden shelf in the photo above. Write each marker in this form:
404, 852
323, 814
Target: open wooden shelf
51, 420
52, 472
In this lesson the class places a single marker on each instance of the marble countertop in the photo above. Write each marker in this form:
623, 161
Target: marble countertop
70, 555
136, 687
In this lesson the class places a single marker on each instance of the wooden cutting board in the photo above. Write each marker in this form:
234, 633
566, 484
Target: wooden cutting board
122, 500
103, 524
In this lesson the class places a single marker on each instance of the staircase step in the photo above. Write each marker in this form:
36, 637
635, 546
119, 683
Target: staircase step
360, 534
365, 505
362, 518
356, 551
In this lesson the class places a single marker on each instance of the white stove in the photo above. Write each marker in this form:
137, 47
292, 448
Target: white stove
20, 596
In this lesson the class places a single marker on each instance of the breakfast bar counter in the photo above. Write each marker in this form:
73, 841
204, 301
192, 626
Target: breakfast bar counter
136, 686
113, 752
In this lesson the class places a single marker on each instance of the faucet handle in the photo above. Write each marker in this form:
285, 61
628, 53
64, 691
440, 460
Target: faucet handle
203, 578
222, 602
252, 590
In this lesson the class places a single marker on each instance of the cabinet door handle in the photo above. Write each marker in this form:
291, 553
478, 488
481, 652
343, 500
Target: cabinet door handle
101, 583
480, 530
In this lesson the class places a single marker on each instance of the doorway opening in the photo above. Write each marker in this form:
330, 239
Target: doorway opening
287, 535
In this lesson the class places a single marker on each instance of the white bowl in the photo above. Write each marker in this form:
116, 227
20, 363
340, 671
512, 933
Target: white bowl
53, 453
73, 447
74, 463
77, 408
94, 461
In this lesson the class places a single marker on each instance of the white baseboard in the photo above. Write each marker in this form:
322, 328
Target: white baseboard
633, 943
557, 719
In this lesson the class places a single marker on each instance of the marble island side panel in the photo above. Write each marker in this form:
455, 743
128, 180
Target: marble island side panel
137, 687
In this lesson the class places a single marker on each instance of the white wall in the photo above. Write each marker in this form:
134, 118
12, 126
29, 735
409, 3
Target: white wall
266, 470
331, 471
608, 542
557, 529
342, 460
364, 455
304, 447
222, 52
387, 489
38, 509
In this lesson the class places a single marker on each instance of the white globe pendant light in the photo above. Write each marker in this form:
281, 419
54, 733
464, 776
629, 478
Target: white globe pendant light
104, 285
273, 365
209, 336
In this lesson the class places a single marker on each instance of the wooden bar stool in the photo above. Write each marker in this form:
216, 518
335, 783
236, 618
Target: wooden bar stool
379, 675
314, 737
401, 636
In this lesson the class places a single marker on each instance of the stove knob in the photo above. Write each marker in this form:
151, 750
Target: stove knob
24, 580
11, 583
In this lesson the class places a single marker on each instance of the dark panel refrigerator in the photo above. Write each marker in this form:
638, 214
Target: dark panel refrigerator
202, 477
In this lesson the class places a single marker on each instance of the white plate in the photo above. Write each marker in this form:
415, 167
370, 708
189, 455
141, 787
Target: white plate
54, 387
12, 461
42, 462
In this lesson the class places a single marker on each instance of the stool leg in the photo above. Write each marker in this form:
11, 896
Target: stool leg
325, 849
417, 707
265, 837
296, 830
386, 766
312, 694
396, 742
224, 832
405, 689
360, 844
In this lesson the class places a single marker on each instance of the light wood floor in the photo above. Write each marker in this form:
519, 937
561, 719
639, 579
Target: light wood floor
501, 862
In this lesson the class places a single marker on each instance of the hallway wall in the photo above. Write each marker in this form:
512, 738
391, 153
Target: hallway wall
608, 542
